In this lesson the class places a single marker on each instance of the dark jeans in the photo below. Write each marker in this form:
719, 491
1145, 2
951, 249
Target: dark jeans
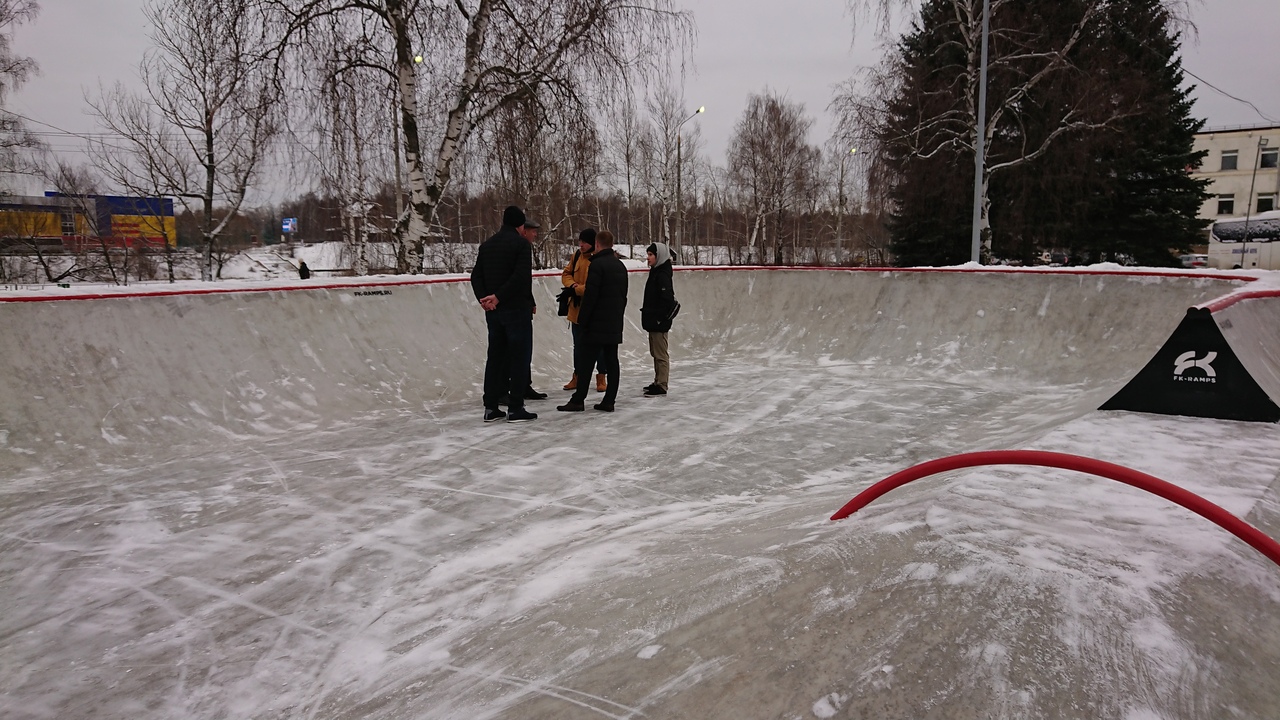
506, 370
599, 358
586, 354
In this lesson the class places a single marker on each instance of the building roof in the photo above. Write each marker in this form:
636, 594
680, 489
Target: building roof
1237, 128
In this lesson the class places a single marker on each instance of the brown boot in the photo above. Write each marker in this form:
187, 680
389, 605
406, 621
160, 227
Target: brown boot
573, 383
601, 383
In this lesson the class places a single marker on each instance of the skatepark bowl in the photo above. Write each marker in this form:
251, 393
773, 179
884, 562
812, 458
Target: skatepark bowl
279, 501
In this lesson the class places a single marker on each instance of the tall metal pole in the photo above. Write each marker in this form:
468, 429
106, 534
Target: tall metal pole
1248, 203
679, 194
679, 198
979, 145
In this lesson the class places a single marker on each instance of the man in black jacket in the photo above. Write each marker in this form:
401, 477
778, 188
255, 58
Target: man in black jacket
600, 319
503, 283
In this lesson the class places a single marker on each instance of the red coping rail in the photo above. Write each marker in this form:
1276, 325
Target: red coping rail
1228, 300
1189, 500
385, 282
1083, 270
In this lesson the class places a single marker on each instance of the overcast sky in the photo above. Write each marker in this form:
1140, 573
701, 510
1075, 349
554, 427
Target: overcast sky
799, 48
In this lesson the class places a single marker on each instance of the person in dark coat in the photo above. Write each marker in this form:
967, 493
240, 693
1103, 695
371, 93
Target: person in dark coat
657, 313
600, 320
574, 279
529, 231
502, 281
304, 272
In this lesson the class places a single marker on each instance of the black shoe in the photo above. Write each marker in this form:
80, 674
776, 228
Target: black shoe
603, 407
521, 415
649, 387
494, 415
532, 394
654, 391
572, 406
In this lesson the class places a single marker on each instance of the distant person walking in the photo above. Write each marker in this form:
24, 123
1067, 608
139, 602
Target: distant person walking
574, 279
304, 272
600, 321
657, 313
502, 281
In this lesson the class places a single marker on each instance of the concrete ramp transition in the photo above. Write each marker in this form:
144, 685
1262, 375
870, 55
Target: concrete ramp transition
279, 500
107, 374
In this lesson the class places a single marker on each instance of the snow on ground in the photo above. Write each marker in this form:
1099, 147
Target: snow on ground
672, 559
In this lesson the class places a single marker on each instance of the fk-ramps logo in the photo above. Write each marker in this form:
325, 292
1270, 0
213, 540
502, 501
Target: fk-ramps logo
1188, 360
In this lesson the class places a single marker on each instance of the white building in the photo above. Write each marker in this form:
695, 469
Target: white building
1243, 169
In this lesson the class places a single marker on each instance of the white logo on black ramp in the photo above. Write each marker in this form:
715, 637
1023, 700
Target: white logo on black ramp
1187, 360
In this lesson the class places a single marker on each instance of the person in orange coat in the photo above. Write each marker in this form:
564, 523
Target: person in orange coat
574, 276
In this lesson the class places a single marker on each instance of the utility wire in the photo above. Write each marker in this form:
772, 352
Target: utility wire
1211, 86
1182, 66
41, 122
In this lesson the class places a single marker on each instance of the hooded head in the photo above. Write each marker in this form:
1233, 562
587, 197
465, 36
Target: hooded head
513, 217
660, 251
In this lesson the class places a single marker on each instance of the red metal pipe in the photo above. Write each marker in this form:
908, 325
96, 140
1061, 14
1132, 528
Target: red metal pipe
1189, 500
1227, 301
286, 287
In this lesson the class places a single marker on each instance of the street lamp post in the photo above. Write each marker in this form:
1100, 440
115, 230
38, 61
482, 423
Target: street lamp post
679, 195
1248, 203
840, 216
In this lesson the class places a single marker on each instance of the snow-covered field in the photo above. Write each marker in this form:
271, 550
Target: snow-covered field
284, 504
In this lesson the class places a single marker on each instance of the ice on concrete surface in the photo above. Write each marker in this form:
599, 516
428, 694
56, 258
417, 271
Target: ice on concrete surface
283, 503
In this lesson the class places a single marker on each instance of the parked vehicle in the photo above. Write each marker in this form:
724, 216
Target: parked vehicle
1248, 242
1195, 260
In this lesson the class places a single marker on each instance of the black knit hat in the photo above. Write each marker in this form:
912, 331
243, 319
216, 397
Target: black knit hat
513, 216
587, 236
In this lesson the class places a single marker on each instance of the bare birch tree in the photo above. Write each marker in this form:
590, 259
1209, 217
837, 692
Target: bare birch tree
343, 128
204, 125
770, 163
670, 153
547, 161
15, 138
475, 57
624, 131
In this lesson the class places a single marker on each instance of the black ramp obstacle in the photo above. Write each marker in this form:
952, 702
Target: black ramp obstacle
1197, 374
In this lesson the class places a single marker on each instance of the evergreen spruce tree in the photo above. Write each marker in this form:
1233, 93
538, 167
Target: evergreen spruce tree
928, 197
1147, 206
1114, 186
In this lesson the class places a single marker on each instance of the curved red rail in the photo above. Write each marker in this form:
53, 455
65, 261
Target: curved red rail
1189, 500
399, 280
1227, 301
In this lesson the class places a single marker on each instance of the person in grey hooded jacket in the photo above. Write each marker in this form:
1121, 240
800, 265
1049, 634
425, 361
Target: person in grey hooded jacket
656, 314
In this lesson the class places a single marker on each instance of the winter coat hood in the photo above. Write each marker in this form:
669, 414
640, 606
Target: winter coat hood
660, 251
